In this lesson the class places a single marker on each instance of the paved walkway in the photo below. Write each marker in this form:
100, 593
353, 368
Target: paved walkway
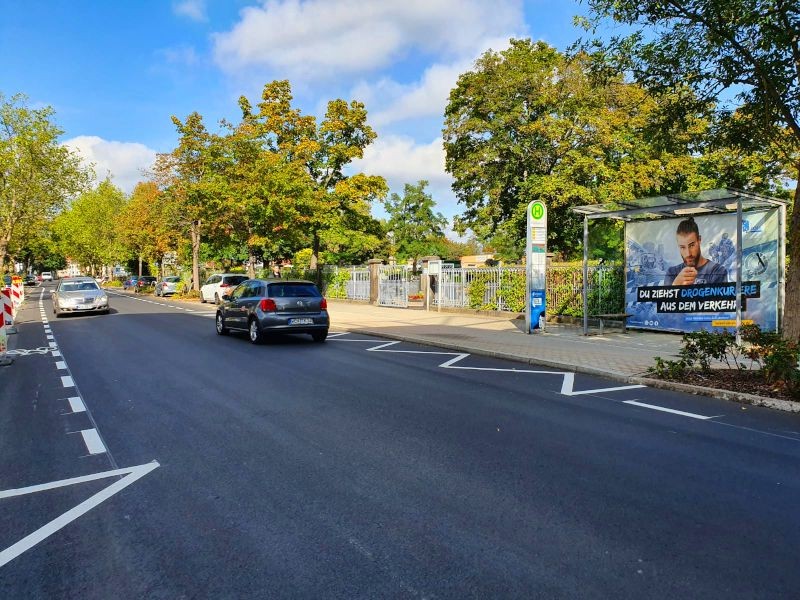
613, 354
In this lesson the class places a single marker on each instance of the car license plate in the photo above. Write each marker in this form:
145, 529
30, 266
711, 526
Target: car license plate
304, 321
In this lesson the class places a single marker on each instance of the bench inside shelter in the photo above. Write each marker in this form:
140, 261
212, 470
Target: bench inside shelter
621, 317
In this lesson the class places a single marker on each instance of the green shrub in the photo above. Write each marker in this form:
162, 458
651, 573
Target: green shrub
777, 358
114, 283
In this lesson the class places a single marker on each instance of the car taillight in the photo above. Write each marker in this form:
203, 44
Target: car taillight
222, 285
323, 305
267, 305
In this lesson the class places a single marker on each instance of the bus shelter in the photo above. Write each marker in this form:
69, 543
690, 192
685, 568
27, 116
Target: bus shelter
698, 260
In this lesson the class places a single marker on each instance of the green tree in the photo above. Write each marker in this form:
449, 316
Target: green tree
87, 231
745, 49
188, 177
334, 202
412, 220
144, 226
37, 174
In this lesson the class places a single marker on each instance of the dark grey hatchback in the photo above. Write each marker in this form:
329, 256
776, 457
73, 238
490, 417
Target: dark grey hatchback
262, 307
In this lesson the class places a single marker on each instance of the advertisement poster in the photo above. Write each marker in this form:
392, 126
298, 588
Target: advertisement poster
681, 273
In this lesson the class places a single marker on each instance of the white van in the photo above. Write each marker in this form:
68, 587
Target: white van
47, 276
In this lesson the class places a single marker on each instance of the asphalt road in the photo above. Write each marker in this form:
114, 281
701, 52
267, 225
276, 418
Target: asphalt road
207, 467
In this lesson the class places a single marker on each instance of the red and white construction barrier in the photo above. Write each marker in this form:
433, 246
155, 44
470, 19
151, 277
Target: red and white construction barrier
17, 290
9, 308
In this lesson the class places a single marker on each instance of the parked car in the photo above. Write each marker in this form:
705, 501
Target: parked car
47, 276
263, 307
30, 280
129, 283
167, 286
219, 284
79, 294
145, 281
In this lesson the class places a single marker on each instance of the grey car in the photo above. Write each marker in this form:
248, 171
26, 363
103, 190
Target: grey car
79, 294
263, 307
167, 286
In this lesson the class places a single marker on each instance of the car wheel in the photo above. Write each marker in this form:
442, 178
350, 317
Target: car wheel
220, 323
216, 298
254, 332
320, 336
202, 299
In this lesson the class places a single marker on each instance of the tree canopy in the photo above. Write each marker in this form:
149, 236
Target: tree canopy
531, 123
740, 59
37, 174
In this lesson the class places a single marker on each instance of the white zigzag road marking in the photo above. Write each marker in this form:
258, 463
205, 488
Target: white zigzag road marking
567, 387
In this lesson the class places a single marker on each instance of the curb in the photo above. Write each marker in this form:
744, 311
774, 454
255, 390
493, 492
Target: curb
729, 395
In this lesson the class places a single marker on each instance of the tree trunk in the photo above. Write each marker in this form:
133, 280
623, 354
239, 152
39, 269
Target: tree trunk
251, 265
195, 255
791, 311
315, 260
314, 251
140, 265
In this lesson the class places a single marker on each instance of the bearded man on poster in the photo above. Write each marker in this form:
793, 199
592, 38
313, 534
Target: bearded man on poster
695, 267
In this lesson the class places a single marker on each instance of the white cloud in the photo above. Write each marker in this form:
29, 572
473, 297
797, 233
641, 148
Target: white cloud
123, 161
320, 39
401, 160
192, 9
424, 98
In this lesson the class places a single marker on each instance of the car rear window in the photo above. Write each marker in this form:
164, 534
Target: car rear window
235, 279
78, 286
172, 279
293, 290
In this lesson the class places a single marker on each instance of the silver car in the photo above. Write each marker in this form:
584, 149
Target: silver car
263, 307
167, 286
79, 294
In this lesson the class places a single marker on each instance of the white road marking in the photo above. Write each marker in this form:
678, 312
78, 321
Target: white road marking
566, 386
56, 353
53, 345
50, 337
569, 381
131, 475
93, 442
67, 381
60, 364
668, 410
76, 404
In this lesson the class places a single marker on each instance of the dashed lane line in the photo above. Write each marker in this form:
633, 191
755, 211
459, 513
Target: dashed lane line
93, 442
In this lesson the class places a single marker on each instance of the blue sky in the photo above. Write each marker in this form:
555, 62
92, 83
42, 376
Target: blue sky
116, 71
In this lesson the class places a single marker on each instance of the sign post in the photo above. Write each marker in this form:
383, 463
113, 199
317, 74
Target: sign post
536, 258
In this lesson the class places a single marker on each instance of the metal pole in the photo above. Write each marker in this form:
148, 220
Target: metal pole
781, 267
585, 275
738, 270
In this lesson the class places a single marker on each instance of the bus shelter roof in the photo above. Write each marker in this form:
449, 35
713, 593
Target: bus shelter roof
718, 201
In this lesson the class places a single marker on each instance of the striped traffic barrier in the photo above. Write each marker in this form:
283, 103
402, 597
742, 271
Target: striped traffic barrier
9, 310
15, 295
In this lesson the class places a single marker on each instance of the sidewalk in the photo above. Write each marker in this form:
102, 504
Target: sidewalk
614, 354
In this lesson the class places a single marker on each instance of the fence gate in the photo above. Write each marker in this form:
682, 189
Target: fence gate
394, 284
